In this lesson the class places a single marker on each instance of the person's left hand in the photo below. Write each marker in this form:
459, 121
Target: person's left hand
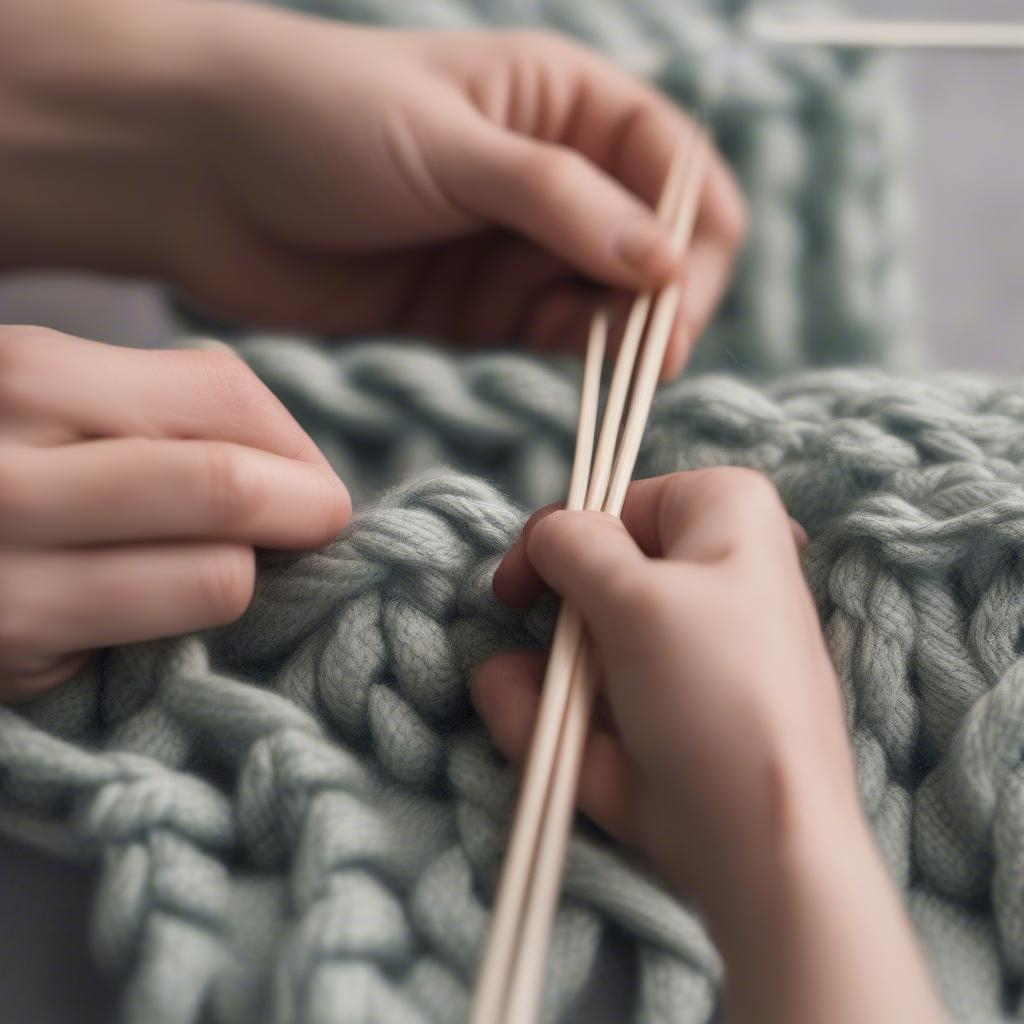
288, 170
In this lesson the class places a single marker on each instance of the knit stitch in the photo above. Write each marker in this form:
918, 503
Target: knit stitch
299, 819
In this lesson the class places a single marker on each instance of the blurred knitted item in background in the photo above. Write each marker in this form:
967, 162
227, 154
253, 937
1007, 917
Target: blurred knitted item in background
299, 819
818, 139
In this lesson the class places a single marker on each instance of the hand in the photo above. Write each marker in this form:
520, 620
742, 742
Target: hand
721, 702
288, 170
133, 487
721, 752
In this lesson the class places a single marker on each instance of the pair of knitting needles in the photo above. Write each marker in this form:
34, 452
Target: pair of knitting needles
511, 980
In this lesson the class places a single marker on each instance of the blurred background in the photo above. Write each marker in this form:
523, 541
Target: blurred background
968, 157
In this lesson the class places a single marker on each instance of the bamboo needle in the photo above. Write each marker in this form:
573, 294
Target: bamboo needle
499, 952
872, 33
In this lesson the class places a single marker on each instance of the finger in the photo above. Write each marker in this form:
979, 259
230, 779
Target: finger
709, 267
18, 686
136, 489
591, 561
563, 202
616, 125
506, 695
707, 514
656, 512
56, 603
632, 130
103, 390
516, 582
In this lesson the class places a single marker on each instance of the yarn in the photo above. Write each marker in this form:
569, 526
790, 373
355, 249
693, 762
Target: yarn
299, 819
817, 138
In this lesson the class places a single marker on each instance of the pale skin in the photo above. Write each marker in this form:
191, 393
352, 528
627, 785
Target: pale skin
481, 187
484, 188
720, 753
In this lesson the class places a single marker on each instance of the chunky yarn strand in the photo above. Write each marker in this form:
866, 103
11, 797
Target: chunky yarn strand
299, 819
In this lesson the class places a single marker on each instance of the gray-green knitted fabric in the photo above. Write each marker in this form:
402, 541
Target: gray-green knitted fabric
299, 819
817, 138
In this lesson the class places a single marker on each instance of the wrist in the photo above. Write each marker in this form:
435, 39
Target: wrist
795, 805
812, 927
757, 885
98, 99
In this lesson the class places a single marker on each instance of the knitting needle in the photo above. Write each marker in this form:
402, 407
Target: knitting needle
844, 32
625, 361
496, 969
658, 335
526, 988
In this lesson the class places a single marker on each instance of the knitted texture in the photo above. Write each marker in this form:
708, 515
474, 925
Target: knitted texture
817, 138
299, 819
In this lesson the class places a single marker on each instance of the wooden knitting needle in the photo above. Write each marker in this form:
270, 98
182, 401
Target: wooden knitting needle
496, 970
492, 982
855, 32
527, 982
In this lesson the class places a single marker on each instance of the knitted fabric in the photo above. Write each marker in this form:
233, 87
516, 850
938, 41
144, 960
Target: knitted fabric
299, 819
817, 138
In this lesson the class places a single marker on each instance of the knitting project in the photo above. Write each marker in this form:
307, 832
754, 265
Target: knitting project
299, 819
817, 138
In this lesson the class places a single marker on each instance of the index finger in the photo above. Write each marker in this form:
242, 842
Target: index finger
631, 130
699, 515
98, 390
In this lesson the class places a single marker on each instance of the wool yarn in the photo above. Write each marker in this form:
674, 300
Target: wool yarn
299, 819
817, 138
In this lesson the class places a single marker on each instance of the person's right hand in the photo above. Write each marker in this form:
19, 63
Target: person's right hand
722, 698
723, 756
134, 486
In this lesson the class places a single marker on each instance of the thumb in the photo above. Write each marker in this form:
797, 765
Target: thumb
589, 559
555, 196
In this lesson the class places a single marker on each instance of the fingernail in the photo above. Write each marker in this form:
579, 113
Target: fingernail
643, 246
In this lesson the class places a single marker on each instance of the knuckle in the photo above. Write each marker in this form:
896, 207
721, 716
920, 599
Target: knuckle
230, 489
751, 493
750, 487
549, 170
16, 344
227, 579
334, 507
225, 376
638, 593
